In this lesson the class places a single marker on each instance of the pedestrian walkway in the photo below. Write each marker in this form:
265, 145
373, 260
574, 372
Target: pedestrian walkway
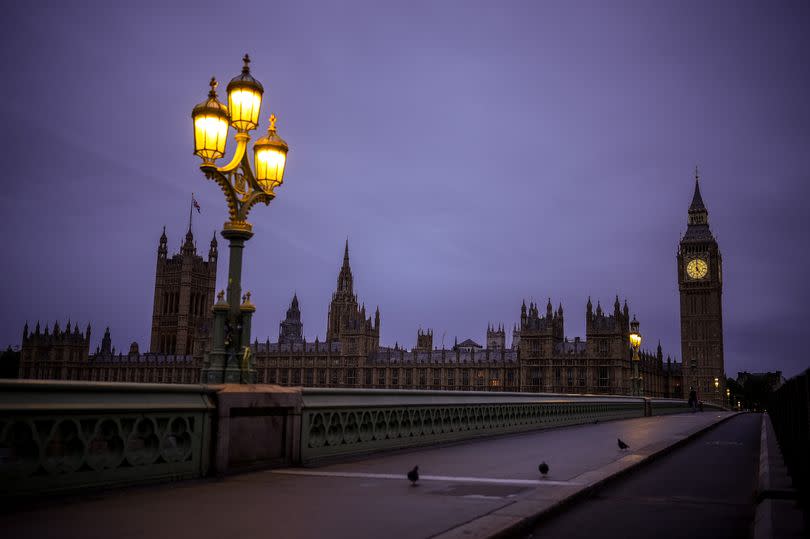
704, 489
470, 489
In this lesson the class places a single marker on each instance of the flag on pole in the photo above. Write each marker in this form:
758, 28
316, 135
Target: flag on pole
194, 202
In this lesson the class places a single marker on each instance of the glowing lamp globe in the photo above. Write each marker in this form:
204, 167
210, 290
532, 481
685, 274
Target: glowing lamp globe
635, 336
245, 99
210, 120
269, 158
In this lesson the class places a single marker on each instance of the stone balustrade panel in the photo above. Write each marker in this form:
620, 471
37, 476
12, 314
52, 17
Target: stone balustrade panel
72, 435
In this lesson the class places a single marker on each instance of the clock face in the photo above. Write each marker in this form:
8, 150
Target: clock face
697, 268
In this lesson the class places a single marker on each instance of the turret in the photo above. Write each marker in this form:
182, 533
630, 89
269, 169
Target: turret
212, 250
424, 340
106, 344
163, 249
188, 248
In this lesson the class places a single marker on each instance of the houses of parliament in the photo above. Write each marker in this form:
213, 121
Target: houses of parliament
539, 357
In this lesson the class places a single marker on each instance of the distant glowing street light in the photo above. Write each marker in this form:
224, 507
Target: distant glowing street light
635, 343
230, 359
728, 396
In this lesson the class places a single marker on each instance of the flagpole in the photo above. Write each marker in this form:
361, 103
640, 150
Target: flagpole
190, 211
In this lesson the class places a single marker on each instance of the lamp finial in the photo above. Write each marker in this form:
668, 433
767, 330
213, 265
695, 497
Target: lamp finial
246, 67
272, 123
213, 84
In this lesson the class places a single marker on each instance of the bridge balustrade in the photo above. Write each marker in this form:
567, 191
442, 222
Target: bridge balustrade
67, 435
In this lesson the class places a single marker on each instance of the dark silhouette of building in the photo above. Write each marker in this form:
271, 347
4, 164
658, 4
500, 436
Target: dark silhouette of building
184, 294
700, 281
540, 358
291, 329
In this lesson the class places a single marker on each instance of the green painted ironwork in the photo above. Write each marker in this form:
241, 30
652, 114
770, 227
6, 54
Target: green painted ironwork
668, 406
339, 423
57, 436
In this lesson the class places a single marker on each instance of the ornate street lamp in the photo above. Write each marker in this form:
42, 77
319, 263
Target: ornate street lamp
717, 388
230, 359
635, 343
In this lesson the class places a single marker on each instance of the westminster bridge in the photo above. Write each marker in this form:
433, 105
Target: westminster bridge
307, 462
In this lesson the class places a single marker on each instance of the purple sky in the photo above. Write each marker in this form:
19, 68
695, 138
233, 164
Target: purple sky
475, 154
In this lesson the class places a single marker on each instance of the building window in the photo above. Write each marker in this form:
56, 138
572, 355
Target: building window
321, 377
604, 381
351, 377
395, 377
581, 372
308, 377
437, 378
422, 379
285, 376
369, 377
333, 377
451, 378
534, 376
570, 375
296, 377
510, 377
557, 376
604, 349
381, 377
408, 377
479, 378
465, 377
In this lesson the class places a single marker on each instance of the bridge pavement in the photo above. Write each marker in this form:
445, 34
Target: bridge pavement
471, 489
705, 489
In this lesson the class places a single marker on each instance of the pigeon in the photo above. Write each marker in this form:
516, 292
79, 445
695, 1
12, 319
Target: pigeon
413, 476
622, 445
543, 468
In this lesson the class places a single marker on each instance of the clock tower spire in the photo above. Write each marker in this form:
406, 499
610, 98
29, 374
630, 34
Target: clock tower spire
700, 282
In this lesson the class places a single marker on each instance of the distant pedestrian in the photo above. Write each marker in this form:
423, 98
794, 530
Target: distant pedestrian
692, 398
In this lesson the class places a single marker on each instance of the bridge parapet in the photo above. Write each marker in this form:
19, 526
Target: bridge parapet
70, 435
67, 435
344, 422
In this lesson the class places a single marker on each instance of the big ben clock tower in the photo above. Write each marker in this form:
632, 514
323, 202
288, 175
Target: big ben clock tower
700, 281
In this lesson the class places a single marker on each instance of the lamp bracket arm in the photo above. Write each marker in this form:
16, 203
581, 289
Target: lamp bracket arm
248, 173
254, 198
241, 146
227, 188
254, 195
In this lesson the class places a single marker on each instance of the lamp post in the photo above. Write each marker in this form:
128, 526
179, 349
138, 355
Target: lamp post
635, 343
230, 358
717, 389
728, 396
